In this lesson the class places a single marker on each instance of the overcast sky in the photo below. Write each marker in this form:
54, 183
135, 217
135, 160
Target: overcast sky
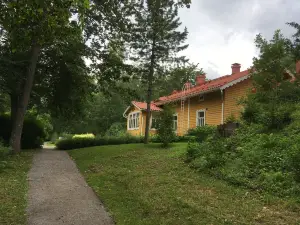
222, 32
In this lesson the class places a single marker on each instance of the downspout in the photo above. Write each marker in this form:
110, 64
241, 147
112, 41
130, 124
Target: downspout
222, 98
188, 114
142, 123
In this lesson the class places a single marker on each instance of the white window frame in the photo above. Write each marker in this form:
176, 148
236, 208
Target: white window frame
176, 114
197, 118
136, 119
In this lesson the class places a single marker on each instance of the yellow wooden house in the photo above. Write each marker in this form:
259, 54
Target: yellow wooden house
205, 103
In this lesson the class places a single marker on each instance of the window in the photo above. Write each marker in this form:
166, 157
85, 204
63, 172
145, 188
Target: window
134, 121
175, 121
201, 98
154, 123
200, 118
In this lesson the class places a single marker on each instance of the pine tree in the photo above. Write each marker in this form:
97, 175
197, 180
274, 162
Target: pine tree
156, 40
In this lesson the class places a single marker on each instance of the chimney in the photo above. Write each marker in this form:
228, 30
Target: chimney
236, 68
200, 79
298, 67
188, 85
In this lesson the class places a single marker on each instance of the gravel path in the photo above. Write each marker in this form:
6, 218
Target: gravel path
58, 194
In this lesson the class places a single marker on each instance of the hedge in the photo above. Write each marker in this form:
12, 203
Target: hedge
157, 139
79, 142
33, 134
74, 143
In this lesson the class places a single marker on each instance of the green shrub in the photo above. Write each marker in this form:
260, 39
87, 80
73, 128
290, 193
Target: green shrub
155, 138
202, 133
84, 136
165, 127
75, 143
253, 158
33, 134
116, 129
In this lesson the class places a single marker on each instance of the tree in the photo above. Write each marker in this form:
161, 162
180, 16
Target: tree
276, 96
174, 79
296, 40
156, 41
27, 27
165, 126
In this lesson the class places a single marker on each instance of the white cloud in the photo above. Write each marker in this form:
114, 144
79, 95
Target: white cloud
222, 32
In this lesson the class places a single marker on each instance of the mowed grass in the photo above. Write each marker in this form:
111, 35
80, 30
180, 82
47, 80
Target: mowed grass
141, 184
13, 187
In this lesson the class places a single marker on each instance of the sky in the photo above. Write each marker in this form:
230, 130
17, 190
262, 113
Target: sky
222, 32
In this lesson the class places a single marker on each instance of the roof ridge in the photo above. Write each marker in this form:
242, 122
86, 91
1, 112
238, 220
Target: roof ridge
214, 83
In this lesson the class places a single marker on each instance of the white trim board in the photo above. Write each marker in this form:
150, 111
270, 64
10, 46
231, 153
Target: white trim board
234, 82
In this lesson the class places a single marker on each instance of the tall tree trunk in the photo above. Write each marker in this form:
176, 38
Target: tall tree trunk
149, 93
17, 125
13, 108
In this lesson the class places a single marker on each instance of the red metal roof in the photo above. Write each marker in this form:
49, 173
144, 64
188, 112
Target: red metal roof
143, 106
206, 87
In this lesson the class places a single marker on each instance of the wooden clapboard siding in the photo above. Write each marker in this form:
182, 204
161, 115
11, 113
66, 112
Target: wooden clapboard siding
181, 115
212, 105
232, 95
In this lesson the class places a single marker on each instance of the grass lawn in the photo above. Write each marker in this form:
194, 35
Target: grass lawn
13, 187
148, 185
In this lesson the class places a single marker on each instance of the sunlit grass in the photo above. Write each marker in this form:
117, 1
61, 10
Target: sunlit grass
149, 185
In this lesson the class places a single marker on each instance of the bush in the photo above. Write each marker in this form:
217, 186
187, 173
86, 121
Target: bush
253, 158
116, 130
165, 127
156, 139
202, 133
83, 136
33, 134
75, 143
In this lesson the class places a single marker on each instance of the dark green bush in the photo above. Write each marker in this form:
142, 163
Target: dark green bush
253, 158
202, 133
157, 139
116, 129
33, 133
165, 127
74, 143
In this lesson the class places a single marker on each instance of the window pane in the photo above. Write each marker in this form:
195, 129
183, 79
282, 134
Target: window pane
201, 114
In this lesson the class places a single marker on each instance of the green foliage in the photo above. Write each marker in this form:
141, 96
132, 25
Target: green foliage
83, 136
156, 139
44, 119
264, 152
33, 134
251, 158
202, 133
165, 126
116, 129
156, 40
230, 119
74, 143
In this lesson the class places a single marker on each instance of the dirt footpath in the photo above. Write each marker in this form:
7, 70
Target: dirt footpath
58, 194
